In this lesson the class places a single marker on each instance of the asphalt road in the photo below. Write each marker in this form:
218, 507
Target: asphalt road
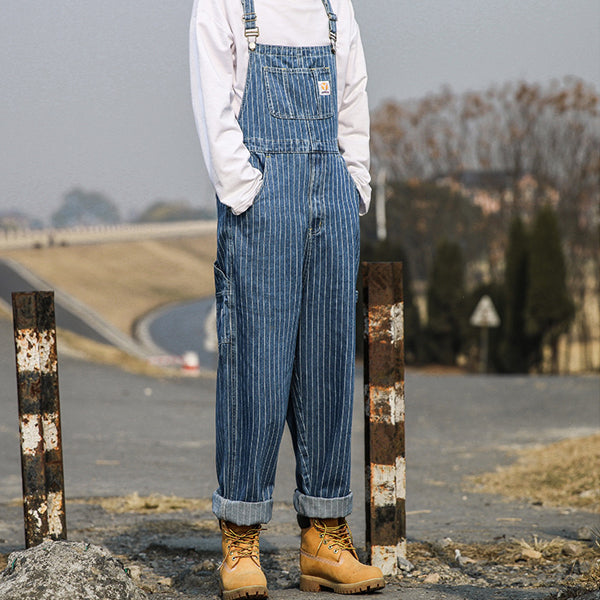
124, 433
184, 327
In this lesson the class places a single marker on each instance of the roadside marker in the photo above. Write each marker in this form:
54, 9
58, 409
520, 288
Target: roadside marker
385, 461
39, 417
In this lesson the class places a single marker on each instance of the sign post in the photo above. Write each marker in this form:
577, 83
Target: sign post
484, 316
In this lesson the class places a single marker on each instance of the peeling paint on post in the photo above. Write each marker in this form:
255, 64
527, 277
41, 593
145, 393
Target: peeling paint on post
385, 464
39, 417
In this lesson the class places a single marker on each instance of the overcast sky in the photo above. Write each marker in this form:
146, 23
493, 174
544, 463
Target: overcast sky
96, 94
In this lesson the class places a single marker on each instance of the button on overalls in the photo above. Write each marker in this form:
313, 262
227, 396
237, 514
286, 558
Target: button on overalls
285, 280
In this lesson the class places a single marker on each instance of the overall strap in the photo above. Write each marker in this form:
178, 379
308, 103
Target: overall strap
251, 30
332, 24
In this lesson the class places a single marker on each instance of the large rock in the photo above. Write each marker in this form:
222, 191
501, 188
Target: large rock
66, 571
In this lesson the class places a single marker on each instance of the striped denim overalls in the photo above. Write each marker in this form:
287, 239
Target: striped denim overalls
285, 279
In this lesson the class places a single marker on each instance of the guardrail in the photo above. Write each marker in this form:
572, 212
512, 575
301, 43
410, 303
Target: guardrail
44, 238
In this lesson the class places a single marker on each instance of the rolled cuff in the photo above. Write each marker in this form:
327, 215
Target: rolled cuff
322, 508
242, 513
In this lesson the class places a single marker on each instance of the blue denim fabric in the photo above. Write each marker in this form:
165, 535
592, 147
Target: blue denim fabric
285, 280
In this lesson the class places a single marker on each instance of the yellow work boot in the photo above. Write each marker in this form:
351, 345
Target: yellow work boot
328, 559
240, 572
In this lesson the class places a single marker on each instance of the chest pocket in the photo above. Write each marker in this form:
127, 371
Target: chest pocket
299, 93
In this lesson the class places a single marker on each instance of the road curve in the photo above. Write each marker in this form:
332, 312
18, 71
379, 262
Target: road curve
183, 327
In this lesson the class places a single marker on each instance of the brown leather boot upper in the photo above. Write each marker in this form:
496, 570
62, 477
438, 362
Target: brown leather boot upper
328, 559
240, 572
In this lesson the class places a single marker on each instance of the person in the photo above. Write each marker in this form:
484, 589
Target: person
279, 96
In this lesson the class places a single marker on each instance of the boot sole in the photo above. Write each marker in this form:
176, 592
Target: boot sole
256, 592
309, 583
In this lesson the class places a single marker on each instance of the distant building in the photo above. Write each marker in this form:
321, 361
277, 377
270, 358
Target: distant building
494, 191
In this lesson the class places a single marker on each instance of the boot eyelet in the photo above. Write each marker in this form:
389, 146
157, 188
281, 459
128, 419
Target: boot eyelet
330, 547
335, 551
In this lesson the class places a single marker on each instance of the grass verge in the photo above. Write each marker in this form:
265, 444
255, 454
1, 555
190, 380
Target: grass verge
562, 474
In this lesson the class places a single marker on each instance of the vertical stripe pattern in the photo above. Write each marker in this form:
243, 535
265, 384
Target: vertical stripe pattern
39, 417
385, 484
285, 280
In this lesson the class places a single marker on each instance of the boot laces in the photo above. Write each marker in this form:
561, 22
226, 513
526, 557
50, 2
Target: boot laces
244, 543
338, 536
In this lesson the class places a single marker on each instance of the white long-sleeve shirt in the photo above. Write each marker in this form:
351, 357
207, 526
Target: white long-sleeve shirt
218, 66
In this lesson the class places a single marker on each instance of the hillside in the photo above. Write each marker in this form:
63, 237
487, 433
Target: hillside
124, 280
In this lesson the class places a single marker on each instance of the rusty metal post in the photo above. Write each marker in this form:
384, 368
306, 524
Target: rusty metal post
385, 464
39, 417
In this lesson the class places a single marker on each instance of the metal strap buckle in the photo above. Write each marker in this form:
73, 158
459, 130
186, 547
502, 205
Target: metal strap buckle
333, 40
251, 34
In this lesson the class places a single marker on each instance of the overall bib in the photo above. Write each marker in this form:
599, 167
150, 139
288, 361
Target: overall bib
285, 279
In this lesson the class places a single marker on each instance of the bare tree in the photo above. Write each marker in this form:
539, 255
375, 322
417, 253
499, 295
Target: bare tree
543, 139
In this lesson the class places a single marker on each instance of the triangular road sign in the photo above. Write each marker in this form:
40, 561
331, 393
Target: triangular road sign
485, 314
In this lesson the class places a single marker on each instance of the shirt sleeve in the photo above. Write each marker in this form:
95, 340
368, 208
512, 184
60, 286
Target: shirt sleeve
212, 55
353, 130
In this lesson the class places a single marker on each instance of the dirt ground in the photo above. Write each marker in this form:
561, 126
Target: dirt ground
170, 546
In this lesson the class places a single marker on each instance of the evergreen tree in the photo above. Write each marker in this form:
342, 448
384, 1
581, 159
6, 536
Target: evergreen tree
548, 308
516, 347
446, 304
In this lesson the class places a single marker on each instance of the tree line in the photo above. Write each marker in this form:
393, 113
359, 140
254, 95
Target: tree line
80, 207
